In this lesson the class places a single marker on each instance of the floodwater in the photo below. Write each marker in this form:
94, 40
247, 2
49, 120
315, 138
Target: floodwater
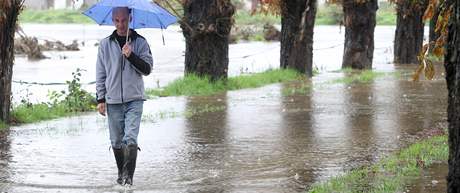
251, 140
431, 180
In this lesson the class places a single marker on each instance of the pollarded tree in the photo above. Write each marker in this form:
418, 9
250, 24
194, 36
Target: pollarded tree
206, 26
452, 66
409, 30
448, 24
359, 21
9, 11
297, 24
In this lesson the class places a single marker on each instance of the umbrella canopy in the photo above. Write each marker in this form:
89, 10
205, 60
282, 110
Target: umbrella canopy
144, 14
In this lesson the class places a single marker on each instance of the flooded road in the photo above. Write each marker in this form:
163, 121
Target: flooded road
251, 140
254, 140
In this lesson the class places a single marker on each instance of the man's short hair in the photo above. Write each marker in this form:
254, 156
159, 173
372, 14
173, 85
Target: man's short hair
117, 9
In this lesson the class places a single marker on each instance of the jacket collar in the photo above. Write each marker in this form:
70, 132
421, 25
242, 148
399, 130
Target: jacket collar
133, 36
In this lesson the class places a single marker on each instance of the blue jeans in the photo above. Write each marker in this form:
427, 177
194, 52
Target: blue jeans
124, 121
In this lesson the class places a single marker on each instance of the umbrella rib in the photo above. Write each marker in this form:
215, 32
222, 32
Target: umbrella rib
105, 17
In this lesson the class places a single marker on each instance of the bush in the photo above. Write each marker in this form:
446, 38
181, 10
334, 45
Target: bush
62, 103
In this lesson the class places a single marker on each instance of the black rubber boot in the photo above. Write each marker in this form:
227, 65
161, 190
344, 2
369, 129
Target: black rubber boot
119, 158
130, 164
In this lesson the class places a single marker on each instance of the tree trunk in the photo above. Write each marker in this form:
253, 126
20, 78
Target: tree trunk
297, 24
452, 66
409, 31
9, 11
433, 36
359, 21
206, 27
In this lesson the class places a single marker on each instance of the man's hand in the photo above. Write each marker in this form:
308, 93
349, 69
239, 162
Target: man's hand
126, 50
101, 108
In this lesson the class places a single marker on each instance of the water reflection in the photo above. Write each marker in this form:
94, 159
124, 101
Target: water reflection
297, 140
206, 136
359, 112
5, 159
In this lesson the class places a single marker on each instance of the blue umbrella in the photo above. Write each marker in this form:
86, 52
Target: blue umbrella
144, 14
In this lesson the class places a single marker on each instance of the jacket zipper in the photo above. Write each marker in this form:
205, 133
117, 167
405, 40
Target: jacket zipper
121, 83
121, 71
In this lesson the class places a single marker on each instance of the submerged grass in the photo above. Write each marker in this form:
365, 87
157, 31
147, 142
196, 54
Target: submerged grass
192, 85
391, 174
162, 115
364, 76
301, 89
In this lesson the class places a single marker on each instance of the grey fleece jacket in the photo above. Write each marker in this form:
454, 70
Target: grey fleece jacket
118, 80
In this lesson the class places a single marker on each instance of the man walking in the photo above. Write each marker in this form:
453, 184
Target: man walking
120, 89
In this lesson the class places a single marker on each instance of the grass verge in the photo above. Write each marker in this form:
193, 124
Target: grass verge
37, 112
391, 174
243, 17
53, 16
192, 85
63, 103
326, 15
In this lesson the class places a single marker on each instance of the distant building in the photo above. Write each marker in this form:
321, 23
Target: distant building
57, 4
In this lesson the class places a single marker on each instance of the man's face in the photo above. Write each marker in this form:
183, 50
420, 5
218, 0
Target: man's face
120, 18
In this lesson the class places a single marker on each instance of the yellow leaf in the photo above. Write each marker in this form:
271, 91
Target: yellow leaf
438, 51
429, 12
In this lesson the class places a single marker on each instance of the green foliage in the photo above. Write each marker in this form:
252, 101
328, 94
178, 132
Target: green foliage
24, 113
77, 99
192, 84
390, 174
386, 14
3, 126
243, 17
329, 14
332, 14
53, 16
62, 103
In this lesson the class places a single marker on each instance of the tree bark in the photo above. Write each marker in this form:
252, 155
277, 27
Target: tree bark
359, 21
297, 24
409, 31
206, 27
9, 11
452, 67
